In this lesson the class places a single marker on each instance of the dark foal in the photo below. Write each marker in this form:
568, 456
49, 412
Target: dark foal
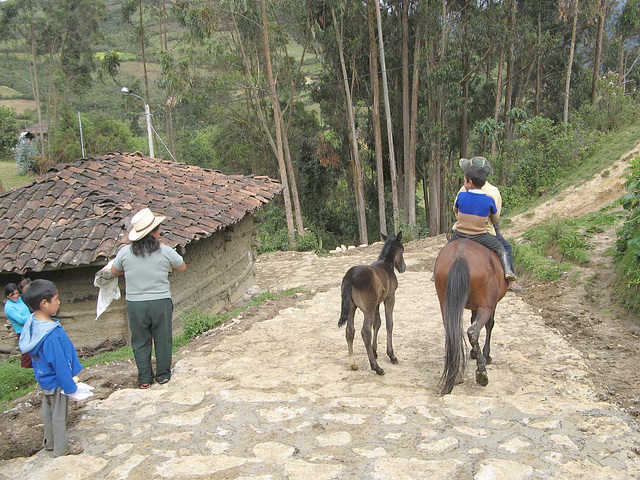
469, 276
366, 287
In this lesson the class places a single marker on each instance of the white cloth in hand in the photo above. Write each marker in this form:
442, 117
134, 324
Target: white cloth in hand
107, 282
83, 391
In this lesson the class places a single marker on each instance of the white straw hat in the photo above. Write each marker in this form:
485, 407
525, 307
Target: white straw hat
142, 223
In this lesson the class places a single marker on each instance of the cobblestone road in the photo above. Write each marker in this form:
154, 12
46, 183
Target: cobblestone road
278, 400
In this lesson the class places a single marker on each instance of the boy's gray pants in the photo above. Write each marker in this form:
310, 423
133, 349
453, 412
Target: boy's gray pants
55, 408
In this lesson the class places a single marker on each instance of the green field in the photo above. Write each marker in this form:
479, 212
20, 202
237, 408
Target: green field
9, 177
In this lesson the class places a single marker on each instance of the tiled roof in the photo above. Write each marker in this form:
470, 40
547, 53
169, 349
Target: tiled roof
78, 213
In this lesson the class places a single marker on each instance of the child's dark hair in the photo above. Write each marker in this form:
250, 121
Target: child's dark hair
477, 175
9, 289
39, 290
24, 284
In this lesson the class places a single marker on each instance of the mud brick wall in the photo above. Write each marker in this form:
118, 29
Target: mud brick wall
220, 269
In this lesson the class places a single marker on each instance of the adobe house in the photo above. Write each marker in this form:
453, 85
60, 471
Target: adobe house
72, 220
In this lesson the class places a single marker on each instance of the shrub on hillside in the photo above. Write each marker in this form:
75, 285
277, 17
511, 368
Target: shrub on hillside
628, 244
8, 131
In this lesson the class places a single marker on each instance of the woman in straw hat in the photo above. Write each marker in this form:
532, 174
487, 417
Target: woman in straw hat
146, 265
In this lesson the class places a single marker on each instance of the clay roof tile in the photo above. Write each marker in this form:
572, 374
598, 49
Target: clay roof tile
79, 213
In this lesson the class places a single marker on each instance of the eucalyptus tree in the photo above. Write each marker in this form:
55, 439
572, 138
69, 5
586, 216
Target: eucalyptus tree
627, 28
249, 57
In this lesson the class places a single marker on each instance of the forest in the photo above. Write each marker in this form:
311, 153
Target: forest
362, 109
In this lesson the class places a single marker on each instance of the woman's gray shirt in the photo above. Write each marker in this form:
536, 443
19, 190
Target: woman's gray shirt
147, 278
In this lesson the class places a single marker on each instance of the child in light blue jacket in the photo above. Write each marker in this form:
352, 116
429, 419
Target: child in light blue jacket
55, 363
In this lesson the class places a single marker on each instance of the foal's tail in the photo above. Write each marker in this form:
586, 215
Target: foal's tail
457, 294
346, 299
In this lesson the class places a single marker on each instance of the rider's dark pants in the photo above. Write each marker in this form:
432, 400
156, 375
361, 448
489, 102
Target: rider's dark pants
485, 239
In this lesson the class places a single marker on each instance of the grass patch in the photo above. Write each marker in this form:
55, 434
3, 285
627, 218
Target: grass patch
553, 247
10, 178
16, 381
8, 92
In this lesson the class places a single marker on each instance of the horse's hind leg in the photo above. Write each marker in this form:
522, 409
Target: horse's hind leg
369, 318
473, 332
377, 321
474, 314
486, 350
350, 333
388, 316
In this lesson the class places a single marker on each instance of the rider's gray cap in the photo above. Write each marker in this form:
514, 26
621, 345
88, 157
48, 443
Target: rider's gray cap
476, 162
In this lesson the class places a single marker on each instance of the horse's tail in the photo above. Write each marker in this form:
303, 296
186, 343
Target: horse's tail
457, 294
346, 299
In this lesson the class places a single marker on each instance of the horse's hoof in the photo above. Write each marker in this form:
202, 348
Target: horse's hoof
472, 354
394, 359
354, 367
379, 371
482, 379
488, 359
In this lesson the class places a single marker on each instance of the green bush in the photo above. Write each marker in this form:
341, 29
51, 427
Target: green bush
627, 257
195, 322
8, 131
613, 109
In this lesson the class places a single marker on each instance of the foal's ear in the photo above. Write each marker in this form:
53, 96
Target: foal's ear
384, 237
399, 236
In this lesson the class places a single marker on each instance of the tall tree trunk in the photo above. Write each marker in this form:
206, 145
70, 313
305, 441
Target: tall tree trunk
464, 114
536, 105
377, 130
360, 205
510, 80
278, 128
43, 164
410, 171
297, 209
621, 82
567, 83
406, 105
496, 108
602, 16
387, 111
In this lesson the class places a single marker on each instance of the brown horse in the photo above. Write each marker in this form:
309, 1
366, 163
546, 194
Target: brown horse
366, 287
468, 275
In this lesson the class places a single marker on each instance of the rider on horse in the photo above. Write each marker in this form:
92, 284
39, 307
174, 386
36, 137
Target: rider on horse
494, 193
474, 208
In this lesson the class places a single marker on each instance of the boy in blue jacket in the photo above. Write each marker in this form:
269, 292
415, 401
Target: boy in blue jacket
474, 208
55, 363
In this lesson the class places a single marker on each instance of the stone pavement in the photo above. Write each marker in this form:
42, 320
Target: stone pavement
279, 401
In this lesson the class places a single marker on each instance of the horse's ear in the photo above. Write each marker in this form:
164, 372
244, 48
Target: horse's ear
399, 236
384, 237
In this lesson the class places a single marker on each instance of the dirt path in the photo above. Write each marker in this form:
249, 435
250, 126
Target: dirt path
270, 394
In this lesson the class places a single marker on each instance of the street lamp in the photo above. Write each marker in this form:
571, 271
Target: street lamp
147, 114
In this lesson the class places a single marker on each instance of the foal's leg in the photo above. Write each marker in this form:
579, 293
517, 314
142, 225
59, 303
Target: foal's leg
350, 332
369, 318
389, 302
377, 321
473, 332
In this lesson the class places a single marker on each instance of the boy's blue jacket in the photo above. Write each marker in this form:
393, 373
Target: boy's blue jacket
55, 361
